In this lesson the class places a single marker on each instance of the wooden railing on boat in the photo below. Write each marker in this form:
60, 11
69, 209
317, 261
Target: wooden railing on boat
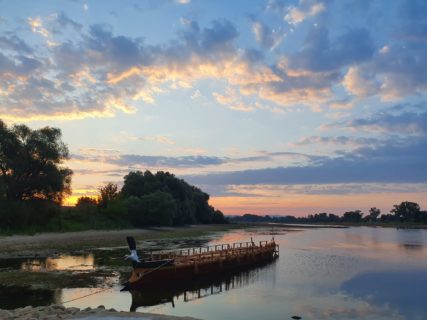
213, 251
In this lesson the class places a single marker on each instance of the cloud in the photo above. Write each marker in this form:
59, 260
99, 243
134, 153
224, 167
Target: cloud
159, 139
114, 157
336, 141
386, 163
61, 21
15, 44
232, 100
397, 70
306, 9
20, 67
97, 73
273, 191
269, 38
319, 53
100, 74
161, 161
359, 85
405, 123
36, 25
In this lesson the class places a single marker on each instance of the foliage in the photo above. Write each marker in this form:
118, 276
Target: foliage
107, 193
13, 215
157, 208
190, 203
405, 212
353, 216
33, 183
86, 201
373, 214
30, 164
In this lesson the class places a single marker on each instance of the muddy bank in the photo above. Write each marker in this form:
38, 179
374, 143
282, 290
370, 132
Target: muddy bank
61, 312
51, 243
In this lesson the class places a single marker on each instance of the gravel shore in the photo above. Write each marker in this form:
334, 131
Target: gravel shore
61, 312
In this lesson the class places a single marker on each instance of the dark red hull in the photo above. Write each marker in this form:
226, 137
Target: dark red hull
200, 266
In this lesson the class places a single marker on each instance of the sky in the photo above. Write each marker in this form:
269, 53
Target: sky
272, 107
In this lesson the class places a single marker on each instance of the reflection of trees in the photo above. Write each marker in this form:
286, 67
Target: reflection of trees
410, 240
412, 247
15, 297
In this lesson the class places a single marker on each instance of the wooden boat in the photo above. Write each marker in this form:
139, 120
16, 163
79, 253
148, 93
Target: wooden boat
198, 288
182, 265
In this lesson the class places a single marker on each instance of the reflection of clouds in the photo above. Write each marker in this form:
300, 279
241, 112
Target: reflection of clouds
404, 290
341, 306
384, 244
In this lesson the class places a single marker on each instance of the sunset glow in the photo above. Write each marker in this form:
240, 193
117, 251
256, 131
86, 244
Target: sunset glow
271, 107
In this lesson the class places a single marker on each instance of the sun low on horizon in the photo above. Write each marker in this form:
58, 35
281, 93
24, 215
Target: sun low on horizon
271, 107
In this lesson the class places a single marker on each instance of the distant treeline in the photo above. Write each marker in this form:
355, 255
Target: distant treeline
405, 212
33, 183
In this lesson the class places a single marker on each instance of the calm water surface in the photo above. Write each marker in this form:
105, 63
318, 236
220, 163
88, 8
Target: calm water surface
354, 273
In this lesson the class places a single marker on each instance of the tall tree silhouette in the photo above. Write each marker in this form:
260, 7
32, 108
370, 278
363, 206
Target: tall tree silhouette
31, 163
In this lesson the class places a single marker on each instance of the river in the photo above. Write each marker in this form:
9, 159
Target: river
321, 273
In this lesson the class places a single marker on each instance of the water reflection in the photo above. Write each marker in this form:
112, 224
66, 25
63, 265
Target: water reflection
194, 290
403, 290
354, 273
15, 297
63, 262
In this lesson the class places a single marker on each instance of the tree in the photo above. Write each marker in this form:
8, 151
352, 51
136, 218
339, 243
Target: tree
138, 184
30, 164
86, 201
373, 214
157, 208
407, 211
218, 217
107, 194
353, 216
191, 202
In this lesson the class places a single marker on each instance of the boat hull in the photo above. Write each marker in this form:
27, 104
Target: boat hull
190, 267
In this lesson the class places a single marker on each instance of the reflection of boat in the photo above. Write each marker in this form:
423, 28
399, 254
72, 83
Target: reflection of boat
200, 287
180, 266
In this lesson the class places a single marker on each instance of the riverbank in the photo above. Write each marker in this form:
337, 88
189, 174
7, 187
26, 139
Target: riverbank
51, 243
61, 312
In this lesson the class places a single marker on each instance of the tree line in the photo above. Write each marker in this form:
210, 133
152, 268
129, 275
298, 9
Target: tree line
34, 182
148, 199
405, 212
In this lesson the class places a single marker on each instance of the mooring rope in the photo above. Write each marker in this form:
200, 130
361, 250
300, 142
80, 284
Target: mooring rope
87, 295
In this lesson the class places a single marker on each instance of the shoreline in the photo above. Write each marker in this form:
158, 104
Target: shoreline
51, 243
61, 312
